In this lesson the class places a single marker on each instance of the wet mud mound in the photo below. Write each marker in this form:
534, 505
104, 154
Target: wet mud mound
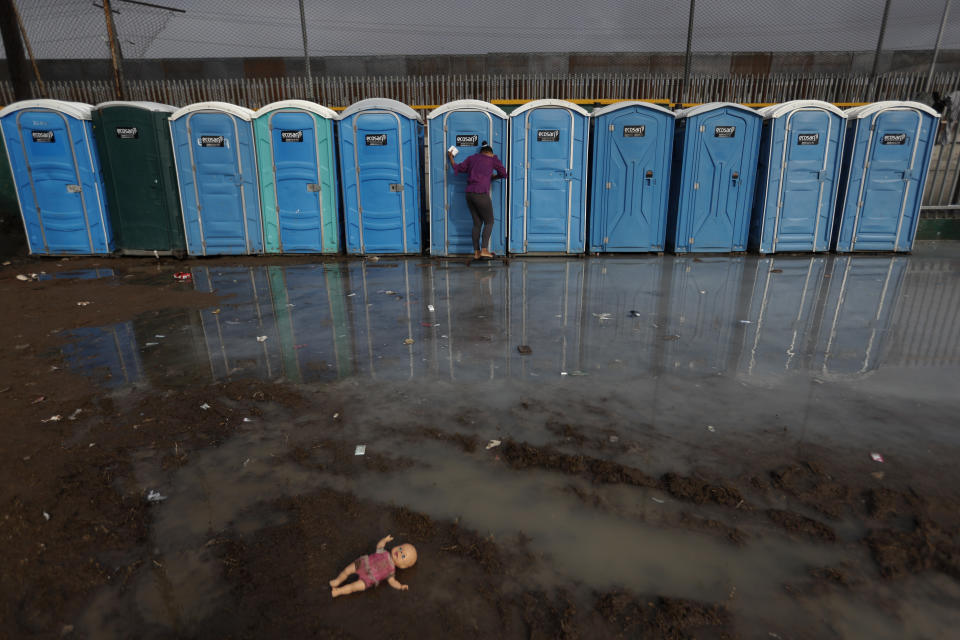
698, 490
667, 618
926, 547
521, 455
795, 523
809, 484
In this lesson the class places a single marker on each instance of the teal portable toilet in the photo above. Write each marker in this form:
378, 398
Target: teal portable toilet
298, 177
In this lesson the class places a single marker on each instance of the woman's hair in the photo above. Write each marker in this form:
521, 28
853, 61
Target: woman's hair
485, 146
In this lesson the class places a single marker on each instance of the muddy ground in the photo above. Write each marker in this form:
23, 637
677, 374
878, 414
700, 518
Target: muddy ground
79, 534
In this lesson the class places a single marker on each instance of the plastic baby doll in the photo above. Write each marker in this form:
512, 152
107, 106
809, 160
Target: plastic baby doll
375, 568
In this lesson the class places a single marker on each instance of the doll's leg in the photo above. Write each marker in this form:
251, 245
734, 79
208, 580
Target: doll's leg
353, 587
346, 573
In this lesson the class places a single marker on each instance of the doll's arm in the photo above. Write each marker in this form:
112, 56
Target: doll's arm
393, 582
383, 542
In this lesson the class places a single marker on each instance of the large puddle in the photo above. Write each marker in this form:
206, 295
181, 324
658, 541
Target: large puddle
684, 352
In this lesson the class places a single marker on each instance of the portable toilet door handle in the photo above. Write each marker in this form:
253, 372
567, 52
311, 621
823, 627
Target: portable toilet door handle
736, 178
649, 178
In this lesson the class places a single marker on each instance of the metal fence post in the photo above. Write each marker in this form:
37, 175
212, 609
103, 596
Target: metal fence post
936, 47
686, 60
876, 55
306, 53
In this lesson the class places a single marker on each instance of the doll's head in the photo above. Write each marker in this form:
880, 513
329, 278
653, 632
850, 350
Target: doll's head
404, 555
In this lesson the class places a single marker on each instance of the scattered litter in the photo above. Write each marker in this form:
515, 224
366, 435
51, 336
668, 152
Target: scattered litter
56, 418
492, 444
876, 457
776, 270
635, 314
75, 414
21, 347
657, 500
151, 344
204, 406
671, 336
83, 303
67, 629
25, 278
430, 308
261, 338
290, 304
215, 311
6, 263
702, 291
558, 316
578, 373
160, 335
614, 439
563, 373
602, 316
389, 292
524, 349
360, 450
351, 294
426, 324
46, 516
183, 276
443, 336
773, 635
246, 462
39, 399
878, 475
154, 496
711, 428
746, 322
91, 445
336, 415
408, 341
247, 420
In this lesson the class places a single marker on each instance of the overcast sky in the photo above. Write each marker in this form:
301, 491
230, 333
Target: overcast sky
228, 28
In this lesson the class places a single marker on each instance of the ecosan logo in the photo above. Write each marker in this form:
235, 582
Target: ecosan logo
894, 138
808, 138
375, 139
468, 141
211, 141
724, 132
42, 136
635, 131
548, 135
127, 133
291, 136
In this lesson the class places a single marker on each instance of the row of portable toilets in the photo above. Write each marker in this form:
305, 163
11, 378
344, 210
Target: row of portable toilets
295, 177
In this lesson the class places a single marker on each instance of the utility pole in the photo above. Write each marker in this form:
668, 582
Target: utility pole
115, 54
936, 47
876, 55
306, 53
686, 59
13, 45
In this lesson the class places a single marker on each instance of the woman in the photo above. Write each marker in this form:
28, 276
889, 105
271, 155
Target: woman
479, 169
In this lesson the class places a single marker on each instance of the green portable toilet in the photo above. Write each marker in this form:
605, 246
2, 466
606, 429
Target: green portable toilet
133, 142
298, 177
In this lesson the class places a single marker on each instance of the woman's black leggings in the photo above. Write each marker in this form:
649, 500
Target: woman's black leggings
481, 208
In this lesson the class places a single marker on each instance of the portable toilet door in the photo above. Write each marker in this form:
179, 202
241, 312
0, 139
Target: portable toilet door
886, 158
133, 141
630, 176
801, 149
217, 174
464, 124
714, 169
548, 177
298, 184
380, 141
57, 176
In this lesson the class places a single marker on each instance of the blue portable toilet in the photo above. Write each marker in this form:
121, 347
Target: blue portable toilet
630, 178
548, 177
714, 170
216, 161
380, 166
886, 157
801, 148
56, 172
464, 124
297, 159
